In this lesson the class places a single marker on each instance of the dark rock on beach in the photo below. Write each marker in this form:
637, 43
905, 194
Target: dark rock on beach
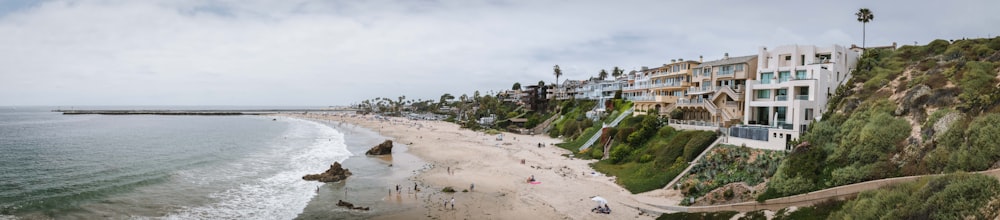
334, 174
342, 203
381, 149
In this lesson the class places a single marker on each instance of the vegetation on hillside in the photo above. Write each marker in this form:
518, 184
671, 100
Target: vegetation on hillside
729, 164
647, 154
953, 196
916, 110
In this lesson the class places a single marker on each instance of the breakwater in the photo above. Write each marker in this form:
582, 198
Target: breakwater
192, 112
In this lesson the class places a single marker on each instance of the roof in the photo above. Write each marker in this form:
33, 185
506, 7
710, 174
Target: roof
731, 60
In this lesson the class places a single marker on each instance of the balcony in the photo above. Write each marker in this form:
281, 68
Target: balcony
802, 97
701, 90
781, 98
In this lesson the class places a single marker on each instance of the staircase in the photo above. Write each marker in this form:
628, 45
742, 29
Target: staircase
597, 135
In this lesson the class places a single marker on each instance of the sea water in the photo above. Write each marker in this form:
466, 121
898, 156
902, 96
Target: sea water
147, 166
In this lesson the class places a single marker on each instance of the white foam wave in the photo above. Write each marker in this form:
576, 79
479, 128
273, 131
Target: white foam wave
282, 195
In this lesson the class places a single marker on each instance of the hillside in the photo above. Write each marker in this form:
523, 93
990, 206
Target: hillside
915, 110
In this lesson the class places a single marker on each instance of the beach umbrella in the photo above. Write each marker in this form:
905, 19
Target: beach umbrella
599, 200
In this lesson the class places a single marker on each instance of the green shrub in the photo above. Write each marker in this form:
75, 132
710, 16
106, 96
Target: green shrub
448, 189
953, 196
937, 47
596, 152
697, 144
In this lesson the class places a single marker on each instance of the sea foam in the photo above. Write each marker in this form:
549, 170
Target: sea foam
282, 195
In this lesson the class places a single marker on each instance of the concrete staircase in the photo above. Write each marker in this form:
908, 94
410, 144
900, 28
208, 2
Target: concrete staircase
597, 136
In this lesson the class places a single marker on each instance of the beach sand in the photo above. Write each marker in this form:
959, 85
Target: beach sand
494, 166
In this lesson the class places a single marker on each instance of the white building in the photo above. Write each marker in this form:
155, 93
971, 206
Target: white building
793, 85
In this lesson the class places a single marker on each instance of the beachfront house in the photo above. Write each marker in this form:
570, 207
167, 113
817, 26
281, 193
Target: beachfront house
791, 89
658, 89
715, 97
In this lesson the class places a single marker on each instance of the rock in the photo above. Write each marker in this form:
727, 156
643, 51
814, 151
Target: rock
381, 149
944, 123
914, 99
349, 205
334, 174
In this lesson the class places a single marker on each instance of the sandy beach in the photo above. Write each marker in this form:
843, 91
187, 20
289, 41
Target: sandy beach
459, 158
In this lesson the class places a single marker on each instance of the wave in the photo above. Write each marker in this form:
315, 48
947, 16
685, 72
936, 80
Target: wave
282, 194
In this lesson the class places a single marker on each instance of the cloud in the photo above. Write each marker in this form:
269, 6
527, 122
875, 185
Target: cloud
300, 52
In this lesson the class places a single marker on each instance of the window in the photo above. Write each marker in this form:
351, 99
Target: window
697, 72
763, 94
707, 71
800, 74
781, 113
809, 114
781, 95
739, 67
765, 78
726, 70
784, 76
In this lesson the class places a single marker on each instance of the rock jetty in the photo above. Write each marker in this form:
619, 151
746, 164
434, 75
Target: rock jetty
334, 174
381, 149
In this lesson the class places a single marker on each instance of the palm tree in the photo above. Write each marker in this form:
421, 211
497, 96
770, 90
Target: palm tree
603, 74
864, 16
616, 72
517, 86
557, 72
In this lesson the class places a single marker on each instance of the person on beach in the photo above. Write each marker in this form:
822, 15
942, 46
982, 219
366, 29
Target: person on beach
453, 203
472, 187
397, 188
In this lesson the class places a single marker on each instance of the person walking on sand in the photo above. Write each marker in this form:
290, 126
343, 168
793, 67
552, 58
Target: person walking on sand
472, 187
452, 203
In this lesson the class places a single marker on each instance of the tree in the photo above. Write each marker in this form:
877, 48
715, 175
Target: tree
864, 16
541, 83
517, 86
557, 72
446, 97
603, 74
616, 72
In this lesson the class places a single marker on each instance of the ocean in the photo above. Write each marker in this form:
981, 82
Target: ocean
182, 167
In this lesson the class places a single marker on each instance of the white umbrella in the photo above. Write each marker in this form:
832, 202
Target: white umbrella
600, 200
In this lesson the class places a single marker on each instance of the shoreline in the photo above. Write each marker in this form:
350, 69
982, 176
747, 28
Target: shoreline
501, 192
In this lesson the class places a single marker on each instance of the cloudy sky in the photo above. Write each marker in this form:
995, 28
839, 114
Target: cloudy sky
299, 52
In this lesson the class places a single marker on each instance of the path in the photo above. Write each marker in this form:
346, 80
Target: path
801, 200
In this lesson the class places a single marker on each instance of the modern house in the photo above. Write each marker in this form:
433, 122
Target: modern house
716, 95
659, 88
791, 90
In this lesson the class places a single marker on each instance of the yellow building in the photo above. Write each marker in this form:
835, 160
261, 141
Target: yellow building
659, 88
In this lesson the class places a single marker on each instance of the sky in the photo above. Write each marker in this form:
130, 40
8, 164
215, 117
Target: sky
320, 53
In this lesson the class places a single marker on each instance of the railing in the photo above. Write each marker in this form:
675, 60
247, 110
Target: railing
781, 97
695, 123
614, 123
802, 97
749, 132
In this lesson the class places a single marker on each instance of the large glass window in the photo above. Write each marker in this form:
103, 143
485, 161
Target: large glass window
781, 95
765, 78
763, 94
726, 70
800, 74
784, 76
739, 67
